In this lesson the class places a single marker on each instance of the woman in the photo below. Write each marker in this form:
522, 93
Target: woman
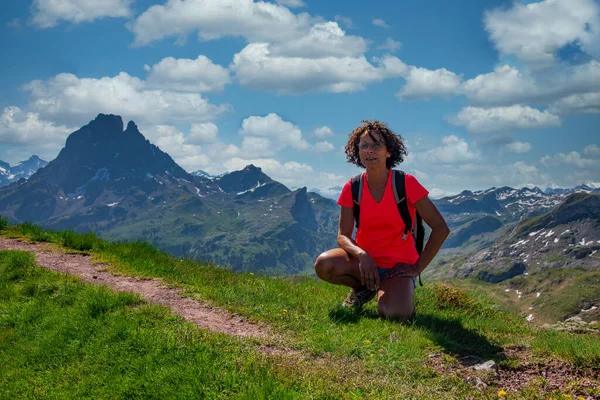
381, 260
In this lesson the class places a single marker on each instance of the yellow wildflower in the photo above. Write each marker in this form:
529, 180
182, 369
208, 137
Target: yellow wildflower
367, 341
381, 350
502, 393
284, 311
371, 355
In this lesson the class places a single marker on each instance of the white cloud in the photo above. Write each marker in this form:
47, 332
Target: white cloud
380, 23
453, 150
186, 75
292, 3
265, 136
518, 147
66, 97
572, 158
19, 127
325, 39
505, 85
585, 103
212, 19
593, 150
323, 146
170, 140
523, 29
323, 131
390, 44
485, 120
424, 83
203, 133
190, 151
257, 68
344, 20
47, 13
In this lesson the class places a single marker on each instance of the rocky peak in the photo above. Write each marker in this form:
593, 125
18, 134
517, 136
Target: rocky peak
302, 210
101, 150
240, 181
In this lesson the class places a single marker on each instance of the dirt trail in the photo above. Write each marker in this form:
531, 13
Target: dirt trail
152, 290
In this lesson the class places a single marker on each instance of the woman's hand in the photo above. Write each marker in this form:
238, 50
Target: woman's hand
369, 275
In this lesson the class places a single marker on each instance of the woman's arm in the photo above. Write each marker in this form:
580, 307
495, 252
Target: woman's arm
368, 270
439, 231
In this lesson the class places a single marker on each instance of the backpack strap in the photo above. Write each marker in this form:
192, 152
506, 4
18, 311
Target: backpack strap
357, 189
402, 203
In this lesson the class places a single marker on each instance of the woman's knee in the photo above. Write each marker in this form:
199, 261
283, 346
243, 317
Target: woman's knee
323, 266
396, 312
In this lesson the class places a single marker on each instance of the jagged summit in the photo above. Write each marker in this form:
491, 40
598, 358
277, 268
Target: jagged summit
240, 181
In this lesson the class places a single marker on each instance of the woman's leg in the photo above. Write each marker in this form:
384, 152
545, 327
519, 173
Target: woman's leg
396, 298
336, 266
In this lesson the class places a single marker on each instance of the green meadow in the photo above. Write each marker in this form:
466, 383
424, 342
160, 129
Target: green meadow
62, 338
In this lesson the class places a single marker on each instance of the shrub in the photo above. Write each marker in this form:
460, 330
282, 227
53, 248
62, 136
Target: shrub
448, 297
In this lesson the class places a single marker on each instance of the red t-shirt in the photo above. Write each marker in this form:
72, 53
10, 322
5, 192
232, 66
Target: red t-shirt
381, 227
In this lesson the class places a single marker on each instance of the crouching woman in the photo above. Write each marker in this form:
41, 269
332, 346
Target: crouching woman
383, 260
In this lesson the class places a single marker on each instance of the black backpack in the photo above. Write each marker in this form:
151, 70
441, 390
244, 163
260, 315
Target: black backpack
399, 189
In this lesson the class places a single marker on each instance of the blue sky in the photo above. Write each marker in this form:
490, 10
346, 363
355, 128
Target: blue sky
491, 93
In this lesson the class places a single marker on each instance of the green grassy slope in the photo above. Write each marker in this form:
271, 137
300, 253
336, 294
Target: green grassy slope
337, 353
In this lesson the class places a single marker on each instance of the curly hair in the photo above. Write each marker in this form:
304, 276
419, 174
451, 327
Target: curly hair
393, 143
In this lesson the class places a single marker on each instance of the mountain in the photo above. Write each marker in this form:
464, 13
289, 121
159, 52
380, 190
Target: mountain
116, 183
202, 174
477, 218
24, 169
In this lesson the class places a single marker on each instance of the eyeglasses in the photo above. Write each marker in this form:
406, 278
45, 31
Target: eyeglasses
373, 145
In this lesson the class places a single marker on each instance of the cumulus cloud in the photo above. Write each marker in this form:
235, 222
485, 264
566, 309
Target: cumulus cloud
347, 21
425, 83
47, 13
390, 45
323, 131
593, 150
203, 133
257, 68
213, 19
186, 75
172, 141
522, 30
323, 147
325, 39
507, 85
518, 147
292, 3
75, 100
485, 120
585, 103
453, 150
380, 23
265, 136
25, 128
572, 158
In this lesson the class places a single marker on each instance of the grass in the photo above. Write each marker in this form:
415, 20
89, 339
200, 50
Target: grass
387, 359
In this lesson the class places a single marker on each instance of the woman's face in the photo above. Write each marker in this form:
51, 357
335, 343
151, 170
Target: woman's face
372, 150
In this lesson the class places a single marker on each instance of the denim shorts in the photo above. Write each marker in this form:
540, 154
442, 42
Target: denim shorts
383, 273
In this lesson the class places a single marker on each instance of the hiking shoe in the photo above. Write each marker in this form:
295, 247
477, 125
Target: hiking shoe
357, 298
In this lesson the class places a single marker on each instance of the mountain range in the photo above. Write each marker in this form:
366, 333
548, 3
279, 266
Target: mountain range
111, 180
116, 183
24, 169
